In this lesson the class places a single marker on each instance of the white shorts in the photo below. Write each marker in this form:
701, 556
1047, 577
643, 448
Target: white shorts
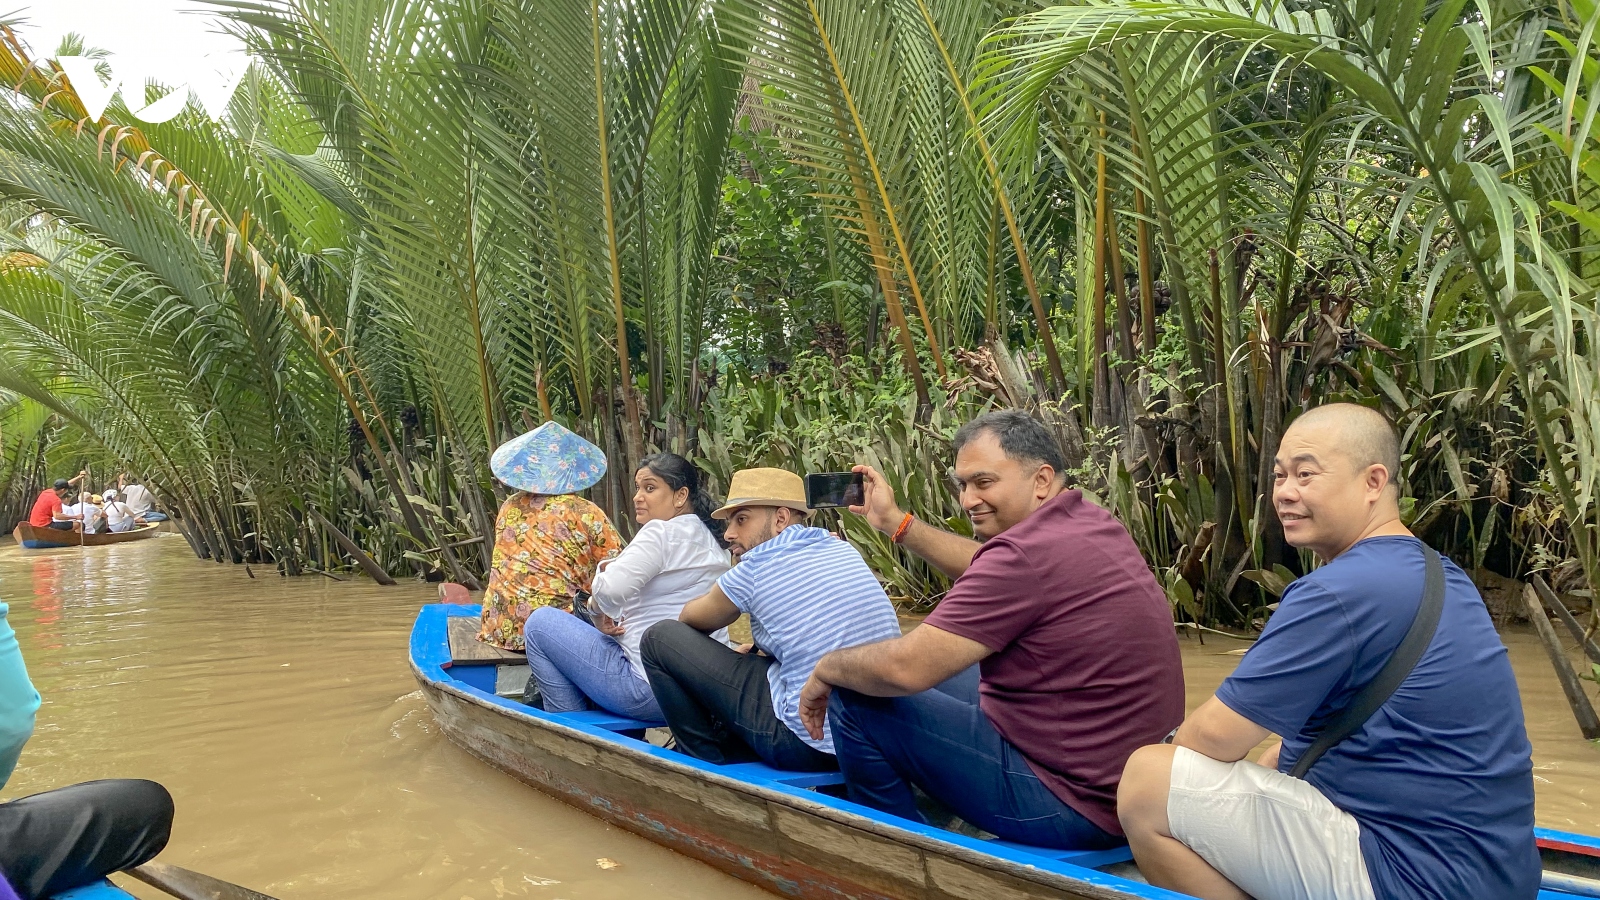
1276, 837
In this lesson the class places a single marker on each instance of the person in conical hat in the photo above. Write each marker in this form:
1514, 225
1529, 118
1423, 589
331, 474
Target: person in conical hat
548, 541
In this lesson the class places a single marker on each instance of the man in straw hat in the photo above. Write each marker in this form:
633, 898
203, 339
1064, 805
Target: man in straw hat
807, 593
1072, 636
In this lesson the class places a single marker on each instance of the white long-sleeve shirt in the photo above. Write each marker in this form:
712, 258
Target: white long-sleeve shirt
669, 563
137, 499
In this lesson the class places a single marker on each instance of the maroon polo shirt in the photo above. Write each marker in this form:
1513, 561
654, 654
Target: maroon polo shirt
1085, 666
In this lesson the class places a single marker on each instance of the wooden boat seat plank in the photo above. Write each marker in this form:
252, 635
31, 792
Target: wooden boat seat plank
467, 650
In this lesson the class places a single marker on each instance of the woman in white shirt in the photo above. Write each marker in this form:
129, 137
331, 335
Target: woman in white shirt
118, 516
676, 556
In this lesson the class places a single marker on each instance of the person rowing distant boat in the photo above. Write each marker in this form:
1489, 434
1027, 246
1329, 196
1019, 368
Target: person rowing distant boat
1430, 793
48, 509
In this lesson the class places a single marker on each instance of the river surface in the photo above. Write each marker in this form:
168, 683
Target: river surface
283, 717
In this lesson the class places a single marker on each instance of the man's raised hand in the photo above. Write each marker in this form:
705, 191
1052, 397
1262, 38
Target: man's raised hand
878, 506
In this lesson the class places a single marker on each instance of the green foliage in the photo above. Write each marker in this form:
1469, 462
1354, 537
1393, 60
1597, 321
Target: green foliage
829, 414
812, 233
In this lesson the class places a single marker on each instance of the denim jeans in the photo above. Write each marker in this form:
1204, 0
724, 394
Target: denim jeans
576, 666
942, 742
719, 702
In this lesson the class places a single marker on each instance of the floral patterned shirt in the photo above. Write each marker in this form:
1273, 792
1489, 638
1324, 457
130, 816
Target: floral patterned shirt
546, 547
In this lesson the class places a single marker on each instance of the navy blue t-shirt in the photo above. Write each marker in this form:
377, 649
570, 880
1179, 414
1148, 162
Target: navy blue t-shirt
1441, 777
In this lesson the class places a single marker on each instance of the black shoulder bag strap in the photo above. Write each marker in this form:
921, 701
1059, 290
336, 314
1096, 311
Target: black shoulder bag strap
1377, 692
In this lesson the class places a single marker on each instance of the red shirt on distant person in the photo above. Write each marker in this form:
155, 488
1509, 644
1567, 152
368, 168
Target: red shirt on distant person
45, 509
1085, 666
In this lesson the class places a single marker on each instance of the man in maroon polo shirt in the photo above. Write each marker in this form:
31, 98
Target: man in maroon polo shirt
1076, 658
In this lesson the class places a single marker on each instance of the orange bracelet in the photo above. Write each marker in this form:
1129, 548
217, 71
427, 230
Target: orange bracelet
900, 533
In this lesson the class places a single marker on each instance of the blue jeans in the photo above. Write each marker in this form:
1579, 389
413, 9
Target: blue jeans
153, 516
942, 742
578, 667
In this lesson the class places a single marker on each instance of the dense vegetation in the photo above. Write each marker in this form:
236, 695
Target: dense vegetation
809, 232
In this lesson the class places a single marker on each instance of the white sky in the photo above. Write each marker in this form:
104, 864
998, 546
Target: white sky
164, 39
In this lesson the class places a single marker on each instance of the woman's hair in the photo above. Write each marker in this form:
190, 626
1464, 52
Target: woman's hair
679, 473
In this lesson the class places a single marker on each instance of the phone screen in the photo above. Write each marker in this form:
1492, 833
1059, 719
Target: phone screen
833, 489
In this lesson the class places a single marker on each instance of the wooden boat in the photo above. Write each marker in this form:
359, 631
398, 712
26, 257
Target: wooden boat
32, 538
787, 832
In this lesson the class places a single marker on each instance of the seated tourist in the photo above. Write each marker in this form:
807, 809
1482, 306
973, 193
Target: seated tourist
94, 513
1430, 797
49, 507
676, 557
139, 499
1072, 636
88, 510
118, 516
57, 840
548, 540
807, 593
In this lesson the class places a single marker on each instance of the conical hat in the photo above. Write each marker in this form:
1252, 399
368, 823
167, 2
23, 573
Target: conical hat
548, 460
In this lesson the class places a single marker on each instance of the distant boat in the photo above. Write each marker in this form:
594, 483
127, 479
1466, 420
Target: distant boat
32, 538
788, 832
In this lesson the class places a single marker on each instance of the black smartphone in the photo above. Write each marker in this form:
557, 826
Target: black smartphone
826, 490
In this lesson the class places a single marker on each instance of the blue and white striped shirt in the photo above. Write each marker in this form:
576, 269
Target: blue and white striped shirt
808, 593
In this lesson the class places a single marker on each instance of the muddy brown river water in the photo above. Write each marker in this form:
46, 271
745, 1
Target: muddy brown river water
283, 717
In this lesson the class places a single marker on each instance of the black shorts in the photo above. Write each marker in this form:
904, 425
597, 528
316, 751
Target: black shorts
60, 526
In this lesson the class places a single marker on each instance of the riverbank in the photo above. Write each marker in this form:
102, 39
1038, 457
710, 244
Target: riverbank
283, 717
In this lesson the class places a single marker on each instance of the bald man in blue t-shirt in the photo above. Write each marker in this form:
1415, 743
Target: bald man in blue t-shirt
1432, 797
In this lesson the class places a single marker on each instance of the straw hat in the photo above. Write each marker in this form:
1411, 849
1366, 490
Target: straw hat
764, 487
548, 460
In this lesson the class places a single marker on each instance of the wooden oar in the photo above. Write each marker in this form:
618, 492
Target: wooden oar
187, 885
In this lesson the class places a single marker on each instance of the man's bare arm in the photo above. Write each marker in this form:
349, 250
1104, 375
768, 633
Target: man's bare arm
1216, 731
709, 611
893, 668
946, 551
904, 665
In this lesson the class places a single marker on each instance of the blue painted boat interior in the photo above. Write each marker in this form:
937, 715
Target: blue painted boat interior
103, 890
430, 651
